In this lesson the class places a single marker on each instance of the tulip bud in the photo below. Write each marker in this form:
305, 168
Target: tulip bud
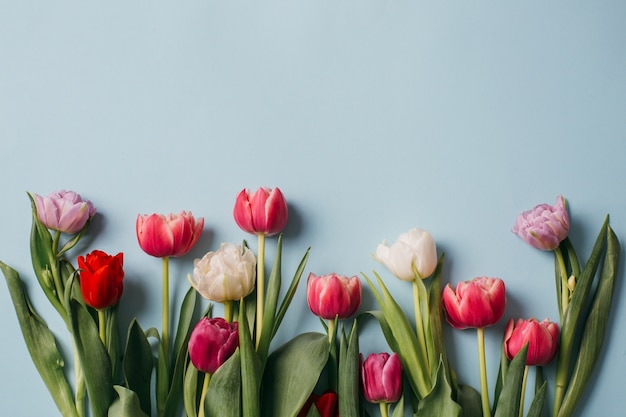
172, 235
227, 274
477, 303
333, 295
212, 342
545, 226
381, 376
264, 212
413, 251
63, 211
101, 278
541, 337
326, 404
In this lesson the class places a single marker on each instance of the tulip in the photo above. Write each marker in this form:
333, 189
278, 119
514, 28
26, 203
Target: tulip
101, 278
264, 212
63, 211
545, 226
475, 304
413, 252
212, 342
326, 404
541, 337
381, 376
172, 235
227, 274
333, 296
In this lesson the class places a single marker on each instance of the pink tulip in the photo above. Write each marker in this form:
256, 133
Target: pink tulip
381, 376
264, 212
171, 235
64, 211
477, 303
542, 338
212, 342
333, 295
545, 226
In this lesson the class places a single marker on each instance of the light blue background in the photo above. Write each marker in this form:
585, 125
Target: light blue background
372, 116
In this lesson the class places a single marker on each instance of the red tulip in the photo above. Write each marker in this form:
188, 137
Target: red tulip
64, 211
542, 338
326, 404
264, 212
333, 295
101, 278
171, 235
212, 342
381, 376
477, 303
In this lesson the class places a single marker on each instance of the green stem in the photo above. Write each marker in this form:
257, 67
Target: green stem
419, 324
260, 287
384, 409
102, 326
165, 312
228, 311
565, 293
205, 388
484, 390
521, 403
331, 330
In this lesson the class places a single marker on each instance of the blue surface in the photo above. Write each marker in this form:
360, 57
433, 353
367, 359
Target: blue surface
373, 117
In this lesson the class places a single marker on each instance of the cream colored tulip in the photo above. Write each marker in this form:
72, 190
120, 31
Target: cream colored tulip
413, 251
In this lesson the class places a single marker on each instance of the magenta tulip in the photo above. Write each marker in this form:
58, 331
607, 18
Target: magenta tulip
475, 304
172, 235
63, 211
264, 212
542, 339
212, 342
333, 295
545, 226
381, 377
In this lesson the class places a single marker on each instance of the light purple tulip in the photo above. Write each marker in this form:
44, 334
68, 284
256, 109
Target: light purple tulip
545, 226
64, 211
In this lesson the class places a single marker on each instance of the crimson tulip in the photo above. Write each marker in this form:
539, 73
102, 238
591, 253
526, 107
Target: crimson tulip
101, 278
381, 377
330, 296
475, 304
545, 226
263, 212
542, 339
212, 342
63, 211
172, 235
326, 404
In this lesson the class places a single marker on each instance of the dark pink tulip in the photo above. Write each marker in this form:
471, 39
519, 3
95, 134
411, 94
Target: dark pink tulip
381, 377
264, 212
212, 342
542, 338
333, 295
172, 235
477, 303
545, 226
64, 211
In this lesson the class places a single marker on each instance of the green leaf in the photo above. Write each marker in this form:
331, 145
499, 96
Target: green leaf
223, 397
41, 344
439, 401
502, 371
434, 326
348, 387
470, 401
594, 328
292, 372
271, 301
126, 404
398, 408
190, 391
536, 407
138, 363
94, 359
510, 397
250, 370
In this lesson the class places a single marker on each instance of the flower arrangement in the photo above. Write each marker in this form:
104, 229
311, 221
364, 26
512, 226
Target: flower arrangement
223, 366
